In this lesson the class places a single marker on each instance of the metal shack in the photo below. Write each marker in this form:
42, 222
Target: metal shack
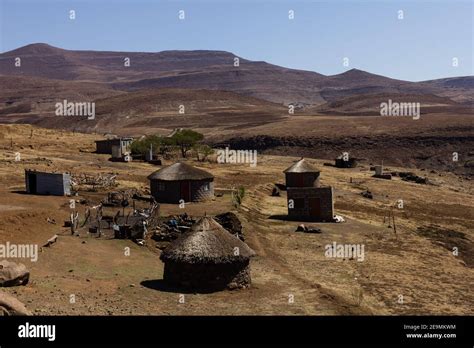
122, 146
43, 183
307, 201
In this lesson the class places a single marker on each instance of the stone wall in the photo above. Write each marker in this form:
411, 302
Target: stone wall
199, 190
202, 190
207, 276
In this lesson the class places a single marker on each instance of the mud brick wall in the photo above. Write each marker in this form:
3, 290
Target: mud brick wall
302, 207
302, 179
207, 276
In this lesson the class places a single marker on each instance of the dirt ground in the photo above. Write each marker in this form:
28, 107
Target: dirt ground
407, 272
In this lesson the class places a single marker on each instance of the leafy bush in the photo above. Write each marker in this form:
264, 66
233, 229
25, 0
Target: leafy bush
142, 146
203, 151
186, 139
238, 196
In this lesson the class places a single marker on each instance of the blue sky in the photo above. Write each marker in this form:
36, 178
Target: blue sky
419, 47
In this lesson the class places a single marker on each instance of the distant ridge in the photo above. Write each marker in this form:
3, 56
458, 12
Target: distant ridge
215, 70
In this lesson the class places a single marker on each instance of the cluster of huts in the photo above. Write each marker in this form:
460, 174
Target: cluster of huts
208, 256
181, 182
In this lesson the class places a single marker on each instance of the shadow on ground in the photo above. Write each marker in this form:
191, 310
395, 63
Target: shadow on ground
161, 285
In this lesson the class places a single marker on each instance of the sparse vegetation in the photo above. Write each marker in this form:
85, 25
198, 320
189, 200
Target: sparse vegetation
286, 260
357, 296
238, 196
203, 152
186, 139
142, 146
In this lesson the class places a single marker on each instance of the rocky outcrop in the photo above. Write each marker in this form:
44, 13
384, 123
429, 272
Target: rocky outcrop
9, 305
13, 274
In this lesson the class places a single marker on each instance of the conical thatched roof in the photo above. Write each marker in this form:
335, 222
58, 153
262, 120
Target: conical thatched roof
180, 171
301, 167
207, 242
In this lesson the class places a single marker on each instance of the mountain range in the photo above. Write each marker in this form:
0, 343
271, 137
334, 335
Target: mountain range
49, 74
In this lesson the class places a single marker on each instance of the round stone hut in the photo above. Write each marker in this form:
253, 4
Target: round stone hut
207, 258
180, 181
302, 174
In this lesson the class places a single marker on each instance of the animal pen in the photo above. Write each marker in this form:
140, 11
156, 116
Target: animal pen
119, 224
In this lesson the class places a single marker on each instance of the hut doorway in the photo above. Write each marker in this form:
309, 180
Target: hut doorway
315, 207
32, 183
185, 191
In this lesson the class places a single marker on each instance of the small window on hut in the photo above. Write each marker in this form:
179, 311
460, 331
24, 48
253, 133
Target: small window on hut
161, 186
206, 187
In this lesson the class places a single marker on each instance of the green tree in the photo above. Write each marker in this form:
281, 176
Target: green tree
142, 146
237, 196
186, 139
203, 151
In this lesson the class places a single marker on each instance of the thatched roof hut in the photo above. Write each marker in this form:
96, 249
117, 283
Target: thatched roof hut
301, 166
207, 257
181, 181
302, 174
180, 171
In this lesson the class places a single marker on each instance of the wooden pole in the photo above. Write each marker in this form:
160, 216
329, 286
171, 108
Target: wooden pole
394, 227
389, 217
72, 223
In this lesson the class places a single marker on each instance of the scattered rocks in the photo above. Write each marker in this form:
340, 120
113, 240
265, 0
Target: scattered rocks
308, 229
233, 286
409, 176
